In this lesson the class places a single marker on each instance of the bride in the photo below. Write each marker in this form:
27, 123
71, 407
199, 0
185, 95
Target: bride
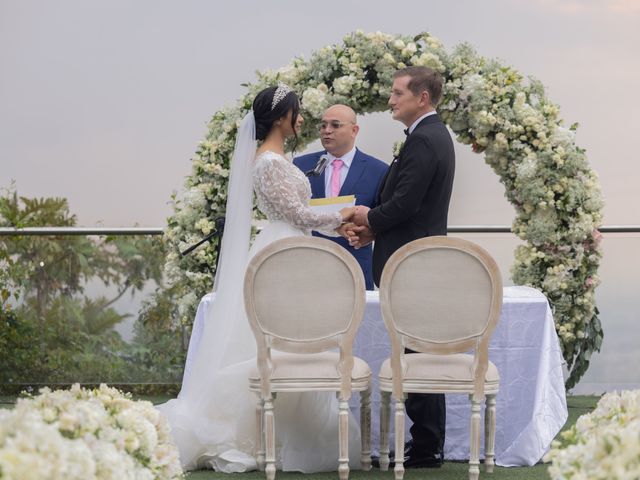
213, 419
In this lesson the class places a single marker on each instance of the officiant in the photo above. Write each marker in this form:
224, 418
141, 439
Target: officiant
349, 171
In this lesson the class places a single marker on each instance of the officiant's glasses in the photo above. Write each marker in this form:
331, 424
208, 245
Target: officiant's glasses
334, 124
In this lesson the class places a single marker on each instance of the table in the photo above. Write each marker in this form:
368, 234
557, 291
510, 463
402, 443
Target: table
531, 405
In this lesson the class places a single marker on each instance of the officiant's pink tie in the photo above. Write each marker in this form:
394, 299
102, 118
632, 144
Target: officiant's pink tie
335, 177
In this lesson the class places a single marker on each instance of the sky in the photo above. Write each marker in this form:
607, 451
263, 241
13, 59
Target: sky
104, 102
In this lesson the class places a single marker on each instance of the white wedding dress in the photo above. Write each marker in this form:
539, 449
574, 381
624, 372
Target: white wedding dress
213, 418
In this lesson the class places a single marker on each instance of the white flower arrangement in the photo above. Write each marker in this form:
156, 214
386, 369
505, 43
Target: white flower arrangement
603, 444
83, 434
487, 105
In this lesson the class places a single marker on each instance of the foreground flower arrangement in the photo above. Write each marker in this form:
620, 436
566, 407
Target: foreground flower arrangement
488, 105
85, 434
602, 445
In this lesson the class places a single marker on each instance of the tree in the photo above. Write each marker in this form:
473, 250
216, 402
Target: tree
42, 286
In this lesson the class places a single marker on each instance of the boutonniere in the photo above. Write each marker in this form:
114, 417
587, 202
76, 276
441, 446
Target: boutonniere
397, 148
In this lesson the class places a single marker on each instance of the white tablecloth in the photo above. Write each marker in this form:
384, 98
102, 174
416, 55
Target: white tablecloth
531, 405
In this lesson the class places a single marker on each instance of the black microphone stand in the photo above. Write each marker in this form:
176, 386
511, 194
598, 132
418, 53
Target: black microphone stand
219, 230
319, 168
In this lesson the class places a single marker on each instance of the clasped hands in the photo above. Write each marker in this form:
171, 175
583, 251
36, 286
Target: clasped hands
355, 227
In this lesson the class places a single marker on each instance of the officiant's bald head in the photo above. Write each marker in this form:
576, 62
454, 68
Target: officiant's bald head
339, 129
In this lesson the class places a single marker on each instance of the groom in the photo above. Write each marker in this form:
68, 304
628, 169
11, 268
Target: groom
412, 203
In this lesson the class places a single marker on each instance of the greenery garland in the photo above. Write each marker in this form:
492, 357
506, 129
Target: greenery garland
488, 105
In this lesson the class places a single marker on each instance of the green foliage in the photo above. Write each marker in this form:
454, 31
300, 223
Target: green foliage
17, 350
160, 349
592, 343
50, 330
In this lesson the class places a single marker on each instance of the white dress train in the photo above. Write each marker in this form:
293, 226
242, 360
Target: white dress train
213, 419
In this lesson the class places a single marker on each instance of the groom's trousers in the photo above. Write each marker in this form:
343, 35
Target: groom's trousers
428, 413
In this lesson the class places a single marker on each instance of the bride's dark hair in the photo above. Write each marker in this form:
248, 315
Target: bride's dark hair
265, 116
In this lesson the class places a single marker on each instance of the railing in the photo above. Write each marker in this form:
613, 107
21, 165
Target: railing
76, 329
5, 231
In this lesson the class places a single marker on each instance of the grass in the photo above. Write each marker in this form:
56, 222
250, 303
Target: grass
8, 401
578, 405
449, 471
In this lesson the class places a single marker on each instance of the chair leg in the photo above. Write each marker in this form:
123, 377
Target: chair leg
474, 440
270, 437
343, 432
490, 433
260, 459
399, 426
385, 398
365, 429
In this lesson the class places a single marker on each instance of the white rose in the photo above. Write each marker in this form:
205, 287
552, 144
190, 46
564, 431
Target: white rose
314, 101
343, 85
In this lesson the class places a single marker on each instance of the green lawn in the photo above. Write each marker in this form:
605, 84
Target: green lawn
450, 471
578, 405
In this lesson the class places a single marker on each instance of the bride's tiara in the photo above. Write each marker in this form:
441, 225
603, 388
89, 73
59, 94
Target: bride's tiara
281, 92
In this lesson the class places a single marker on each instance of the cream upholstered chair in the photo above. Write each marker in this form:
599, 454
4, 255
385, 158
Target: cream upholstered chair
440, 296
305, 297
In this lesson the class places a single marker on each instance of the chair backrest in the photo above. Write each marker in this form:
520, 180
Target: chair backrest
441, 295
304, 295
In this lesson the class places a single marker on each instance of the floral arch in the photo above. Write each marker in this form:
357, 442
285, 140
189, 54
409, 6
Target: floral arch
488, 105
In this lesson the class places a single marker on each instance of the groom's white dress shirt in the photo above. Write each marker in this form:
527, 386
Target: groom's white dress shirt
415, 124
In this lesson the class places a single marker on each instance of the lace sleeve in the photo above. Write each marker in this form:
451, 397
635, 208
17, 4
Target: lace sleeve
284, 197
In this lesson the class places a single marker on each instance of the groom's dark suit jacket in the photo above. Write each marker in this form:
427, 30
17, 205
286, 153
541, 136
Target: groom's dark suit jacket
413, 201
363, 179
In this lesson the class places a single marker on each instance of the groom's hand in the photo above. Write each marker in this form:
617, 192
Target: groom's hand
346, 213
359, 236
360, 216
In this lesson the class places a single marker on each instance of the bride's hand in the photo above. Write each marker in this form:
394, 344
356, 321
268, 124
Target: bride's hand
347, 213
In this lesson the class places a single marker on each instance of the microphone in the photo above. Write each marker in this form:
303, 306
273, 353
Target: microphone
319, 168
